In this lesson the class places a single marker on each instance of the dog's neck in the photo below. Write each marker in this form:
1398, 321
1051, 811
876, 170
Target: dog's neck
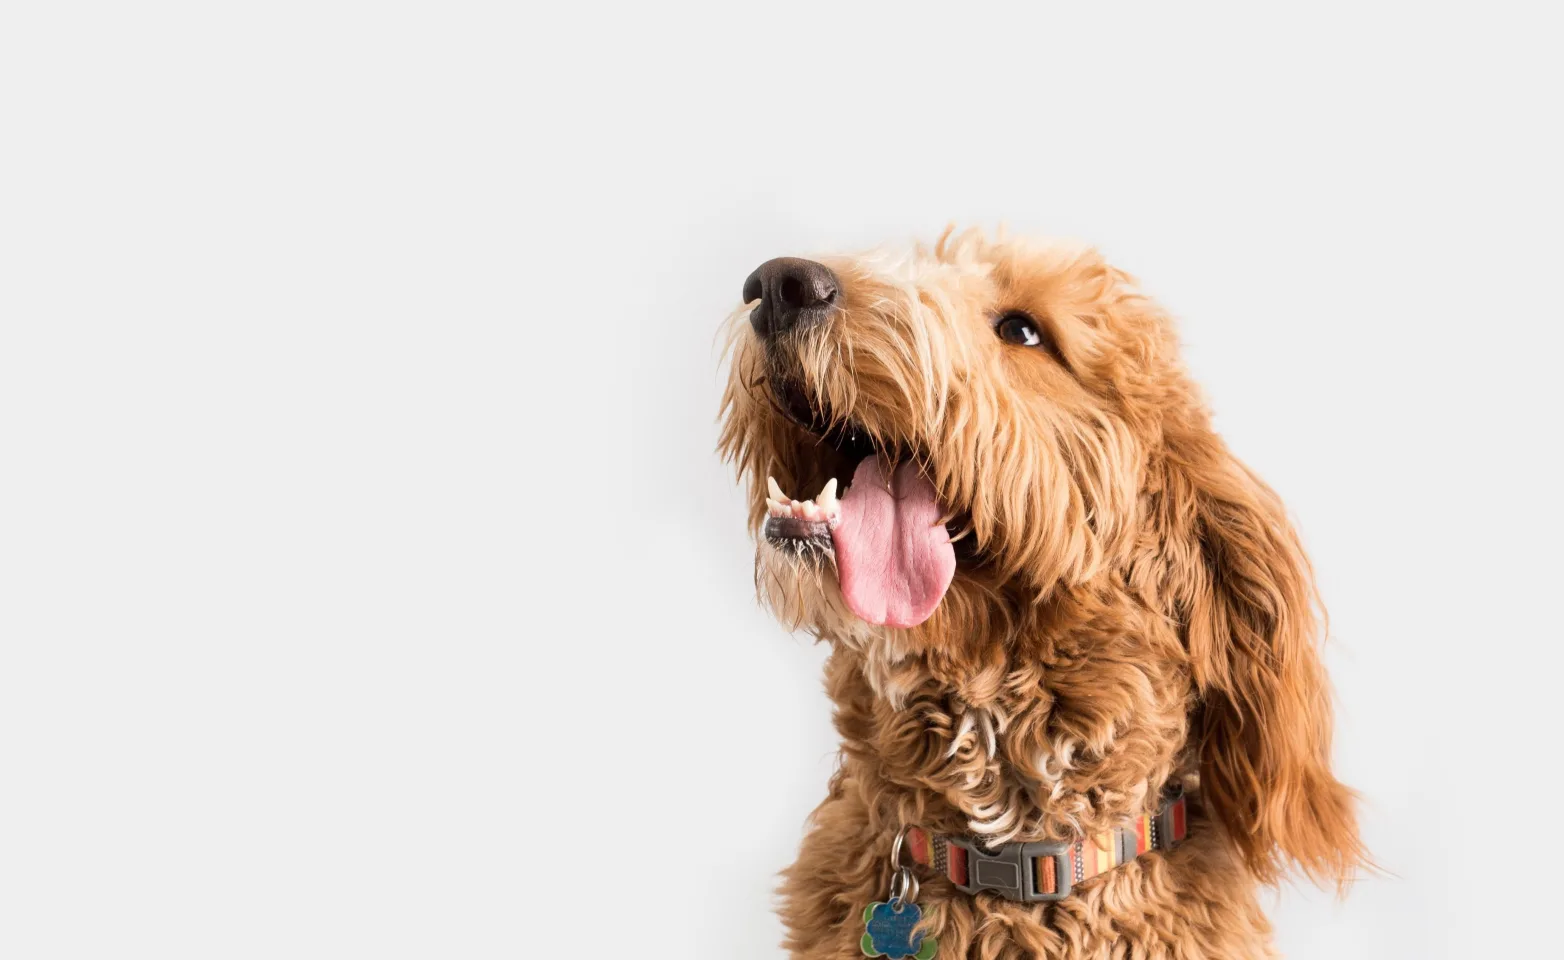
997, 745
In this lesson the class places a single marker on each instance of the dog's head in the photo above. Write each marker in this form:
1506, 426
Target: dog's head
942, 442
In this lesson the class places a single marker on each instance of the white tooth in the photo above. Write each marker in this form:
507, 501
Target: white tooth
774, 490
830, 507
827, 494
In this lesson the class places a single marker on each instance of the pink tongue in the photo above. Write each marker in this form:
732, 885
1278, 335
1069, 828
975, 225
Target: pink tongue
892, 553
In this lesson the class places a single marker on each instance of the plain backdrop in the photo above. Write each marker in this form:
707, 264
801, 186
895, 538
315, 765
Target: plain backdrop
369, 586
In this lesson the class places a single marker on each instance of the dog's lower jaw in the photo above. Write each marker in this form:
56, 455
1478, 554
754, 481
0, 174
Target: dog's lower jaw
806, 541
797, 582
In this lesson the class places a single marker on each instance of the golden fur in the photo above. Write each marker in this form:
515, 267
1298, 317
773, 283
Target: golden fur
1136, 612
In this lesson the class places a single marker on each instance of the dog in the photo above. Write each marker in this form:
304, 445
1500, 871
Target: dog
1074, 641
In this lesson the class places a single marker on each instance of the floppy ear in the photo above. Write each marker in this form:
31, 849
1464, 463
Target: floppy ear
1245, 593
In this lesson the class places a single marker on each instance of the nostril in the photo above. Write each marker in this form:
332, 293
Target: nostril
791, 292
753, 288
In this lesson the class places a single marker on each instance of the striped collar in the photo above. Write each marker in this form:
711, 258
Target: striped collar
1048, 870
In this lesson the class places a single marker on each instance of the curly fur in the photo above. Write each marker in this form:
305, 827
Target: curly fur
1137, 611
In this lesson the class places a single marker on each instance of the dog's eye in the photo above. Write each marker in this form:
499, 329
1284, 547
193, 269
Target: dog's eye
1019, 329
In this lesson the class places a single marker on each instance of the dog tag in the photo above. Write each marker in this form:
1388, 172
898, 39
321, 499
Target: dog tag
887, 932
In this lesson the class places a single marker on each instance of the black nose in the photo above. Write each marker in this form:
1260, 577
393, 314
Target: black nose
793, 294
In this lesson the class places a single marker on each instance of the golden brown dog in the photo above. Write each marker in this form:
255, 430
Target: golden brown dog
1051, 593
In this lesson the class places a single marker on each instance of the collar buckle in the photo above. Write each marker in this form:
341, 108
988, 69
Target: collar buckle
1015, 870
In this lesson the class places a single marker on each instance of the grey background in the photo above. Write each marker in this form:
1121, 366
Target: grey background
368, 583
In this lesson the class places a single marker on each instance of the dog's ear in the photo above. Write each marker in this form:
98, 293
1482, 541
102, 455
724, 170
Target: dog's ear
1244, 591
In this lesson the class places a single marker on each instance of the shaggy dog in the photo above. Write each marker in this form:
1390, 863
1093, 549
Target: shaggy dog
1051, 594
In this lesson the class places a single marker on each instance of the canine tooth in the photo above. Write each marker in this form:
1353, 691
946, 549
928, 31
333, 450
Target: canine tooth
830, 506
775, 491
827, 498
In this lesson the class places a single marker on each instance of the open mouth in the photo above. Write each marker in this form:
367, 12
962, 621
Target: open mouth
878, 517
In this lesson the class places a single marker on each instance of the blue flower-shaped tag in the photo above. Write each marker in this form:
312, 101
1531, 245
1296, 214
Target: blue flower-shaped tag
887, 932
